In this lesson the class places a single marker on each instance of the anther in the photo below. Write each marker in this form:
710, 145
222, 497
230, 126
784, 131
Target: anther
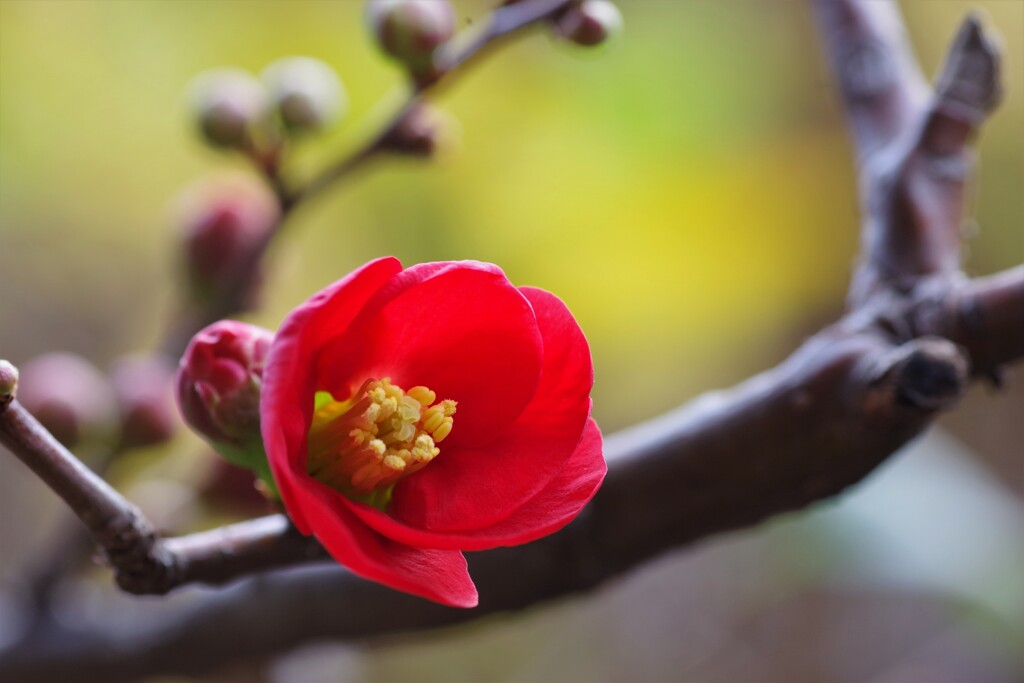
362, 446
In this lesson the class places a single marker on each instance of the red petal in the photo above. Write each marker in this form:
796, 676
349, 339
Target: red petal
286, 399
473, 488
459, 328
545, 513
439, 575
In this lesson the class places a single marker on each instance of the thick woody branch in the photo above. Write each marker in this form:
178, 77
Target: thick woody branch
221, 555
914, 144
879, 81
986, 317
799, 433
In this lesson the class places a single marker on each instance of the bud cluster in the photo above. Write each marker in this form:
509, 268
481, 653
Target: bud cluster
235, 110
85, 409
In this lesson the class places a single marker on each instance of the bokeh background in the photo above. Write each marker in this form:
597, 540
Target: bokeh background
688, 191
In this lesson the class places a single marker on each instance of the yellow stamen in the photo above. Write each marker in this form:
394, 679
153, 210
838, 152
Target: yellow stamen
363, 445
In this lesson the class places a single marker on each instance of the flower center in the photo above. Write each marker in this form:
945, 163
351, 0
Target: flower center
362, 446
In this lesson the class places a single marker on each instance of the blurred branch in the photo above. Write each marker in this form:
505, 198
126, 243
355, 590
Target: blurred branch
457, 54
987, 318
915, 332
913, 144
878, 78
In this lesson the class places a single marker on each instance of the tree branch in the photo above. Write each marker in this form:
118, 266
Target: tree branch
799, 433
881, 85
461, 51
913, 144
114, 523
849, 397
142, 562
986, 317
450, 59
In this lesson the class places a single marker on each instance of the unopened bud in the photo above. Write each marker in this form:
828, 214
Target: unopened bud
218, 388
591, 22
410, 30
8, 382
222, 220
425, 131
233, 490
227, 104
71, 398
143, 387
305, 93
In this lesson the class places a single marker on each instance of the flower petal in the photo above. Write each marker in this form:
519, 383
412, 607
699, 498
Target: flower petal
473, 488
439, 575
459, 328
545, 513
286, 399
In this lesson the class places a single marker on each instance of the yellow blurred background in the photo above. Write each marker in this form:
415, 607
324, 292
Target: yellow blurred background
688, 191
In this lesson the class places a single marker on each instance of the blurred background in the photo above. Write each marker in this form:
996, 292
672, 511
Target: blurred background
687, 189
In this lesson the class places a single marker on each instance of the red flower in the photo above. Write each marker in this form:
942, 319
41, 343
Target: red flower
412, 414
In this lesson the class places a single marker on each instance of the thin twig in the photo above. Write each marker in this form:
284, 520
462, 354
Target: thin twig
142, 562
450, 59
460, 52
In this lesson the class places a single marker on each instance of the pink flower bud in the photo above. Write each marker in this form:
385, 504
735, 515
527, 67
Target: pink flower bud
425, 131
305, 93
233, 490
410, 30
71, 398
589, 23
218, 385
226, 105
145, 398
221, 221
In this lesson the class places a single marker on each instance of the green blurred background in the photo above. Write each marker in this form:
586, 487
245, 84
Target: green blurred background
687, 190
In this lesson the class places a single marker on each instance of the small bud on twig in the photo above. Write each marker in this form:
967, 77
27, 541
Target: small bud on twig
143, 387
221, 220
227, 105
590, 23
232, 490
411, 30
425, 131
305, 93
218, 390
8, 383
71, 398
